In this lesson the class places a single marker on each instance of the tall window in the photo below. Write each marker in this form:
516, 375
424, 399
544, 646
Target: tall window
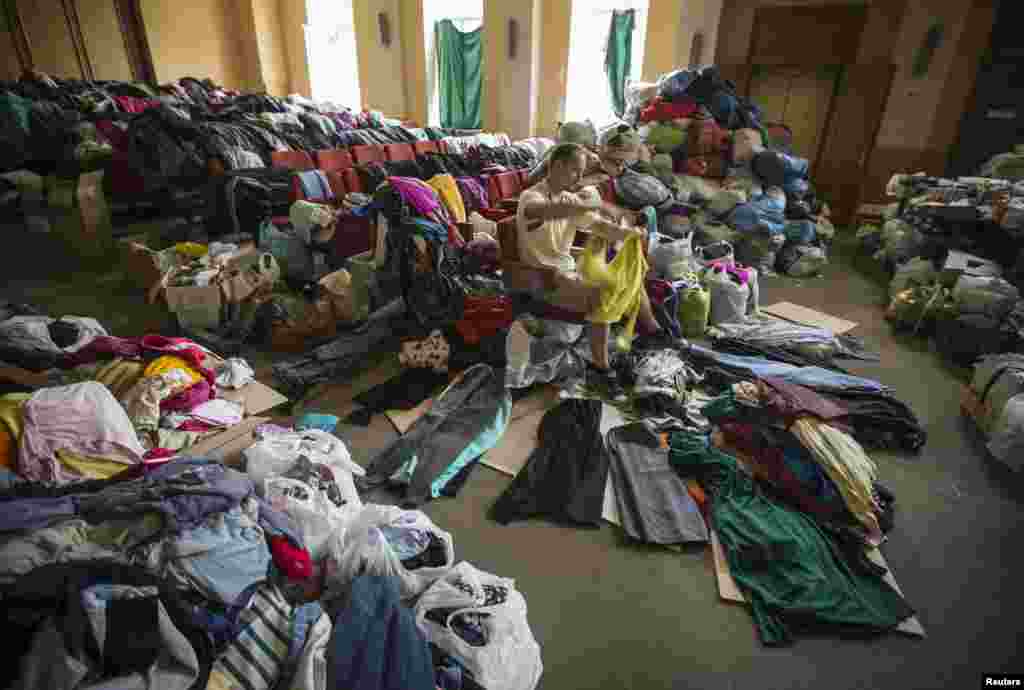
331, 48
467, 15
587, 94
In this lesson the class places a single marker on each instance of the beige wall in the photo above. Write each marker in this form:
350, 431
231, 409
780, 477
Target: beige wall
511, 86
198, 38
101, 32
270, 46
556, 19
381, 72
414, 61
293, 33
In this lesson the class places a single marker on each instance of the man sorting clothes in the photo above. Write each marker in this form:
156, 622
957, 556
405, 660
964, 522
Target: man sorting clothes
549, 215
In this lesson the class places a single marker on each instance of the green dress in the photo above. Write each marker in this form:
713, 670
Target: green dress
793, 573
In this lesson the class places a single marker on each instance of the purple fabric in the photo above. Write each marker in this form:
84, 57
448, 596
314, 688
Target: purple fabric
474, 196
35, 513
188, 398
418, 194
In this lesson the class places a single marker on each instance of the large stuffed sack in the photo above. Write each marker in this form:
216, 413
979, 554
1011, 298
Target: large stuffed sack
480, 620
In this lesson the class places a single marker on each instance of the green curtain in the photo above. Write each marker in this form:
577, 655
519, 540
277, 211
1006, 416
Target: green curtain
460, 73
619, 56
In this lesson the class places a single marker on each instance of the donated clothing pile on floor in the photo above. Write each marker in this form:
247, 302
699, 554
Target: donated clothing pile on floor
712, 152
124, 558
948, 245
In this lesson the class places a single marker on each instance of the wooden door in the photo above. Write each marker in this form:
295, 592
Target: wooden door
799, 97
861, 96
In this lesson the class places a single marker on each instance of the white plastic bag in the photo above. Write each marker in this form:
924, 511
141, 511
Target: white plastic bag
672, 259
1006, 442
277, 454
993, 297
728, 297
316, 517
363, 548
510, 658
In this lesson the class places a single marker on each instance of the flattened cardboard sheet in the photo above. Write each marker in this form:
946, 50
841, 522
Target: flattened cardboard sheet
809, 317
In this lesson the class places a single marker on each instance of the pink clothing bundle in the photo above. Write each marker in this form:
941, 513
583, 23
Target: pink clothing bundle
188, 399
108, 347
84, 419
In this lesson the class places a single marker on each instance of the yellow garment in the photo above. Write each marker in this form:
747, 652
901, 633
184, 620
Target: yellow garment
8, 449
10, 412
621, 281
120, 375
161, 365
89, 467
846, 464
191, 249
448, 191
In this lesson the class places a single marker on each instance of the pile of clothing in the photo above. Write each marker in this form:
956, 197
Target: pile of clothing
771, 469
200, 575
948, 249
742, 186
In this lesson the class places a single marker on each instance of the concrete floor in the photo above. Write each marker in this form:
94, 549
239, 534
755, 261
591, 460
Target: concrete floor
613, 615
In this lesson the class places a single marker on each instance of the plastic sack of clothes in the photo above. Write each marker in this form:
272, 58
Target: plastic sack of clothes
1006, 441
968, 337
801, 260
900, 242
715, 252
278, 453
801, 231
311, 509
759, 251
1006, 166
673, 259
480, 620
766, 212
694, 311
987, 295
729, 295
665, 137
389, 541
869, 238
915, 272
920, 306
635, 190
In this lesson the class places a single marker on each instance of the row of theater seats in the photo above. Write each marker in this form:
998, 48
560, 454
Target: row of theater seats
356, 235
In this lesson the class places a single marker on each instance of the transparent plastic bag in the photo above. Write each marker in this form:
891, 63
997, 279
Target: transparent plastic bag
277, 454
728, 298
370, 545
316, 517
672, 259
986, 295
510, 656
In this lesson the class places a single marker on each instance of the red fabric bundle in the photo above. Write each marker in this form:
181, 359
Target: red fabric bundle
661, 110
482, 317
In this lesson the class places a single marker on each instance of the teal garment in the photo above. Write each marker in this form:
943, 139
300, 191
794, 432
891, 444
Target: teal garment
317, 420
460, 75
618, 57
793, 574
485, 441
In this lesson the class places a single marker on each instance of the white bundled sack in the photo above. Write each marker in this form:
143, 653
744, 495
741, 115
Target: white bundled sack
312, 511
374, 543
991, 296
1006, 442
509, 657
728, 298
672, 259
278, 453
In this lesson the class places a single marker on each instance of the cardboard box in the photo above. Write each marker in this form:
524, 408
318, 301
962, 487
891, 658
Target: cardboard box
195, 307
